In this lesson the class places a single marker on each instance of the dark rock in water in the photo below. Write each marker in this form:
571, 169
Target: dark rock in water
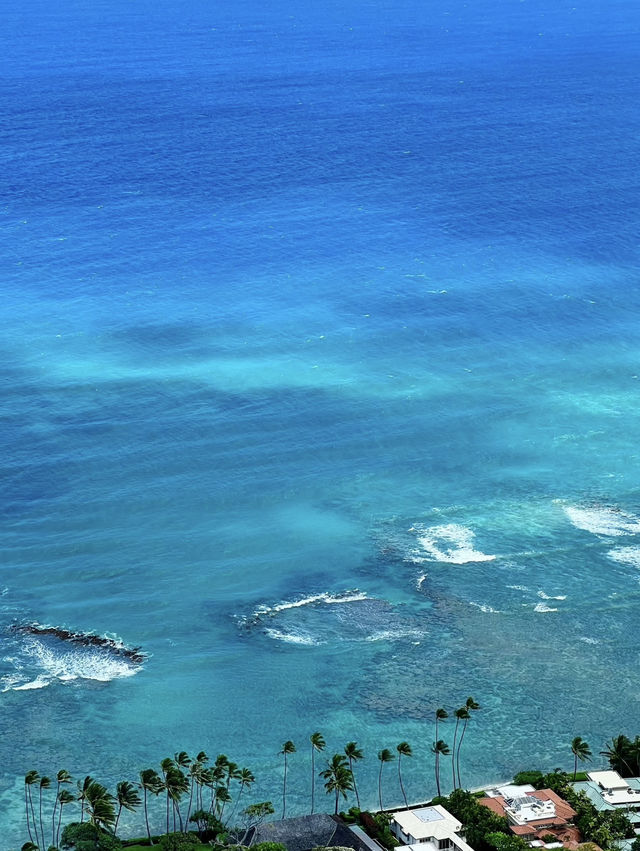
86, 639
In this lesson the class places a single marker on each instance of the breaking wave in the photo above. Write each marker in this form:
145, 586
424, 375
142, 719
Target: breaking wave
451, 543
603, 520
544, 596
542, 607
626, 555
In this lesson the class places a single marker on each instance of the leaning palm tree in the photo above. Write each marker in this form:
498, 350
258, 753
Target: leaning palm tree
195, 774
581, 751
45, 783
100, 806
439, 748
287, 749
62, 776
165, 766
30, 778
128, 798
353, 754
317, 744
384, 755
441, 715
404, 749
223, 797
177, 785
470, 706
619, 755
461, 714
82, 793
339, 779
64, 797
149, 782
246, 778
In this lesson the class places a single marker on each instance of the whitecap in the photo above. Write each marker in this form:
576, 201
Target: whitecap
292, 638
326, 597
542, 607
588, 640
603, 520
518, 587
39, 682
420, 580
544, 596
451, 543
484, 607
395, 634
626, 555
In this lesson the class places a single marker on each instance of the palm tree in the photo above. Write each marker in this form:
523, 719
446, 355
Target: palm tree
246, 778
339, 779
165, 766
128, 798
317, 744
45, 783
384, 755
176, 784
62, 776
202, 759
461, 714
470, 706
581, 751
149, 782
100, 806
82, 793
404, 749
353, 754
195, 775
64, 797
441, 715
287, 748
222, 797
619, 755
439, 748
30, 778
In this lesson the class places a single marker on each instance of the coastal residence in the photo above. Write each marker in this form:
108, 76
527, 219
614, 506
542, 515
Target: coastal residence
539, 816
429, 829
607, 790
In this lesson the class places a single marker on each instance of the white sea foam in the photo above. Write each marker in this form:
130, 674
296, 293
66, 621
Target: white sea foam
451, 543
292, 638
420, 580
588, 640
484, 607
327, 598
395, 634
603, 520
542, 607
518, 587
544, 596
626, 555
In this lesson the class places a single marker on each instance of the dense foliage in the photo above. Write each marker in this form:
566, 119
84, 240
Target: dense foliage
479, 822
88, 837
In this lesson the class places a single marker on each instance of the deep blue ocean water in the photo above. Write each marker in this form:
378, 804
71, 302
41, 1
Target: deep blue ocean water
336, 307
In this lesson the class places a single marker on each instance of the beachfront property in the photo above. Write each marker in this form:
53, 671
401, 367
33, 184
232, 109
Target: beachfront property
429, 829
607, 790
539, 816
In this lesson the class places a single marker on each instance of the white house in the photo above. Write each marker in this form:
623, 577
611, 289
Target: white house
429, 829
615, 790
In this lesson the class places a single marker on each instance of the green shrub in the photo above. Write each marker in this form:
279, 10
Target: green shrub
528, 777
180, 842
87, 837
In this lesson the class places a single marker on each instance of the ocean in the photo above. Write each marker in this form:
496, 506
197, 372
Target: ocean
320, 382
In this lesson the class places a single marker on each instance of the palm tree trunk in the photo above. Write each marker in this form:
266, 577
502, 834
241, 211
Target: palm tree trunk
146, 816
380, 784
190, 802
464, 727
336, 811
115, 827
167, 811
284, 788
438, 771
400, 779
453, 754
313, 779
33, 818
355, 787
235, 806
26, 809
57, 842
575, 766
53, 817
41, 827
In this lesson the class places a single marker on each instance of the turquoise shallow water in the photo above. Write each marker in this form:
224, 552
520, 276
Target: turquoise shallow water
337, 307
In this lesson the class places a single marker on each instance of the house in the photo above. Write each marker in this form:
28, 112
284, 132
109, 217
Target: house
539, 816
614, 789
429, 829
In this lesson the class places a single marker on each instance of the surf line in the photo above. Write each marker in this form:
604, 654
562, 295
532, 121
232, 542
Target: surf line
85, 639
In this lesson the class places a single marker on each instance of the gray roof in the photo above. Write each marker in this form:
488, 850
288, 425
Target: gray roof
307, 832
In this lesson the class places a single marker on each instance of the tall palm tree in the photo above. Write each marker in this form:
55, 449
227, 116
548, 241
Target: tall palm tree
317, 744
128, 798
619, 755
461, 714
339, 779
404, 749
82, 793
202, 759
30, 778
353, 754
384, 755
183, 760
246, 778
439, 748
222, 797
62, 776
581, 751
166, 765
287, 748
470, 706
45, 783
216, 773
64, 797
177, 785
441, 715
195, 774
149, 782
